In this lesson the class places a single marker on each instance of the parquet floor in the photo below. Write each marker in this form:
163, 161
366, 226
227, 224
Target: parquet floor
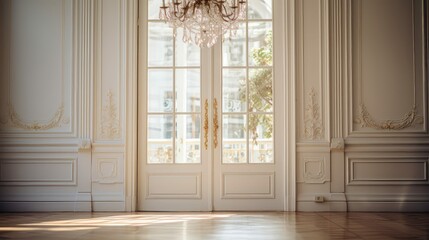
217, 226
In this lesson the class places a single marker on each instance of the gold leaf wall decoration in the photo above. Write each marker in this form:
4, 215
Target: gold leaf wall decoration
110, 121
16, 121
408, 120
313, 124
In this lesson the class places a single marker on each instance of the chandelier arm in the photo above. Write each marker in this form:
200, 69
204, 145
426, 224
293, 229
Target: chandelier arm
176, 10
185, 9
220, 4
227, 16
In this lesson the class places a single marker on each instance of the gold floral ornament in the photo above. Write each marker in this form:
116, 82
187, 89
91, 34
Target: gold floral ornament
215, 123
313, 124
110, 122
411, 118
55, 121
206, 124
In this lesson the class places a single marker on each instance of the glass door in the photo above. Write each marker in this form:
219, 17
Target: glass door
207, 117
173, 157
248, 167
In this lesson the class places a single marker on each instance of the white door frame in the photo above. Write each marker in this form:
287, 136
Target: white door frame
134, 56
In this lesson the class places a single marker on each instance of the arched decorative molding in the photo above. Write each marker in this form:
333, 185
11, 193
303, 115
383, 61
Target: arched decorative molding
110, 122
313, 123
409, 119
16, 121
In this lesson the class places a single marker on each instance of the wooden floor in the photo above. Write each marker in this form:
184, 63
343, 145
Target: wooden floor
228, 225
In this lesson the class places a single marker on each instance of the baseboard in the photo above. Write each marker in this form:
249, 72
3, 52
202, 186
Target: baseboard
321, 207
388, 206
45, 206
108, 206
333, 202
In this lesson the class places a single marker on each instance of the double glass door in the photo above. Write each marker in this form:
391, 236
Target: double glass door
208, 117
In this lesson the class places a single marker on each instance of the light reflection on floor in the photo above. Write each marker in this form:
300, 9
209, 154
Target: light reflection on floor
127, 220
216, 226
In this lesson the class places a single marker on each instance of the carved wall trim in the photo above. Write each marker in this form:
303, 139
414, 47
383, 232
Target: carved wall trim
15, 120
337, 144
313, 124
85, 144
314, 168
408, 120
107, 168
110, 122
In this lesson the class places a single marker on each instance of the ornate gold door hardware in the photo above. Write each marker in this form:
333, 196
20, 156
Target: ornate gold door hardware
215, 123
206, 124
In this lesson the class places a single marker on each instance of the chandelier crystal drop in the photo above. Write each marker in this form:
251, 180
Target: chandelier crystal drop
203, 21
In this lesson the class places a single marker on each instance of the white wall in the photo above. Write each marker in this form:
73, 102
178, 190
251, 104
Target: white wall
62, 106
68, 105
362, 108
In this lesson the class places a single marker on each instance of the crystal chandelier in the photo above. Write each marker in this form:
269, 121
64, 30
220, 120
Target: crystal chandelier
203, 21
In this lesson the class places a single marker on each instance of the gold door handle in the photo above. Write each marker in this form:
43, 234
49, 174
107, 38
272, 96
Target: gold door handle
206, 124
215, 123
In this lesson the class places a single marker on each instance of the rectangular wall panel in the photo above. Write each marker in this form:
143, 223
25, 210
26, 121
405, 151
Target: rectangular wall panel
248, 185
389, 83
38, 67
174, 185
387, 170
51, 172
109, 71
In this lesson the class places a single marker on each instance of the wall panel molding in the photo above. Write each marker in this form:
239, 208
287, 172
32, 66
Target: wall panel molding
52, 71
110, 70
387, 170
313, 70
38, 172
370, 113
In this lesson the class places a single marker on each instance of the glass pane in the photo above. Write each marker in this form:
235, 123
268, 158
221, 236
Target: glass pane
234, 50
188, 90
153, 9
187, 54
261, 90
261, 138
160, 139
160, 90
234, 139
260, 9
188, 143
234, 90
260, 44
160, 45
